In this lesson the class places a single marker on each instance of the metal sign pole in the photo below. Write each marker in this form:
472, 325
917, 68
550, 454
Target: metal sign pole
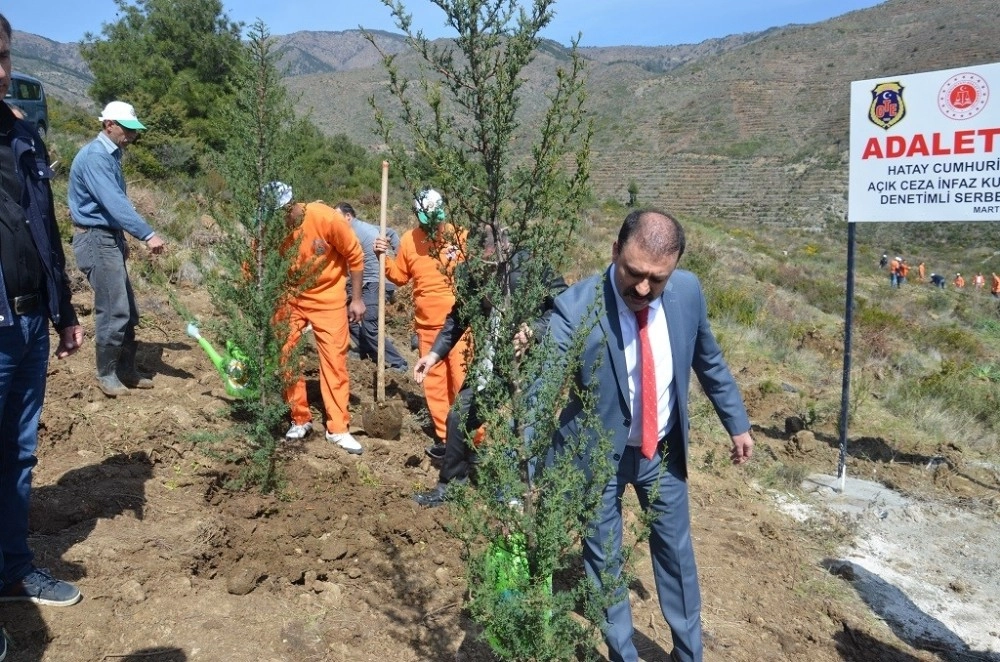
845, 393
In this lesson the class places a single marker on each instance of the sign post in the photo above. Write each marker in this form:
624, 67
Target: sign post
924, 147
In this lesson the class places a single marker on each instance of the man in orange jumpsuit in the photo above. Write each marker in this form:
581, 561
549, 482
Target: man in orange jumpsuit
959, 281
428, 255
995, 286
328, 252
902, 271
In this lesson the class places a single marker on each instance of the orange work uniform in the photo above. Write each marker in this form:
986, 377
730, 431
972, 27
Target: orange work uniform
433, 298
995, 286
959, 281
328, 253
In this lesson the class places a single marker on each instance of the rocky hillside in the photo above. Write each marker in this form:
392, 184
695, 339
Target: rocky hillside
749, 128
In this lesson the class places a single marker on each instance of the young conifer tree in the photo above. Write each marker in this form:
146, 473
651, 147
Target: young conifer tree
460, 127
253, 271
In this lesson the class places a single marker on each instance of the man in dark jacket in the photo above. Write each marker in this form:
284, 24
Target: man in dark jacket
34, 289
458, 455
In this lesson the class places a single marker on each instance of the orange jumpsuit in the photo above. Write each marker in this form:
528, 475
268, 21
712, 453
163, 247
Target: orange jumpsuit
959, 281
433, 297
328, 253
995, 285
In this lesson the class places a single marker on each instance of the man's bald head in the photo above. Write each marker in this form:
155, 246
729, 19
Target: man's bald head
658, 232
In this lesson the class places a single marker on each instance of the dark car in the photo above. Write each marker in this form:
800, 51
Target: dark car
27, 94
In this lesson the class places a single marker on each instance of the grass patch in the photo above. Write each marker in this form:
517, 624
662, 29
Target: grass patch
782, 477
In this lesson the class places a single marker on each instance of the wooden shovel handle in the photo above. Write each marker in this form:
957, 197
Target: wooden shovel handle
380, 370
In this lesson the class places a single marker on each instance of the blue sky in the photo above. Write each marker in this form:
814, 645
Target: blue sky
602, 22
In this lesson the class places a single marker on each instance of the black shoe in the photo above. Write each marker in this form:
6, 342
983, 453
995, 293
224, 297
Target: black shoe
435, 452
431, 498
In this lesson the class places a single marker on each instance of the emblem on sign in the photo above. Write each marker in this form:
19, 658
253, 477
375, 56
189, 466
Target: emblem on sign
963, 96
887, 107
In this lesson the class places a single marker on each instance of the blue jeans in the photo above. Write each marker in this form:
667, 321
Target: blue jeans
100, 255
365, 335
24, 360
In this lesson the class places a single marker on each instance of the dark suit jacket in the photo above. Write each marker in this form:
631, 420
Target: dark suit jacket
591, 305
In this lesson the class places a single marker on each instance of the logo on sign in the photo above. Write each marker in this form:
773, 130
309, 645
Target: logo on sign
887, 107
963, 96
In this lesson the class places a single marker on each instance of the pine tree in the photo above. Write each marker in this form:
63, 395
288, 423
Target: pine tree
174, 61
458, 127
253, 276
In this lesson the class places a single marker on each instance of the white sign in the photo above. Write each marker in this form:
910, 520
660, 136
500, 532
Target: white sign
926, 147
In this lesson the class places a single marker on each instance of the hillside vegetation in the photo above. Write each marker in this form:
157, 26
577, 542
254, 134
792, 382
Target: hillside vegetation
745, 139
750, 129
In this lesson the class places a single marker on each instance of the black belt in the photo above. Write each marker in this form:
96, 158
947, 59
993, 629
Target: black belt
25, 304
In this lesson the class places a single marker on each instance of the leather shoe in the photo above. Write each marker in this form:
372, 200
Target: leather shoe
431, 498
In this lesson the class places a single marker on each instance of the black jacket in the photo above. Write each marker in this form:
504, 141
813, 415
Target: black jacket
32, 163
455, 325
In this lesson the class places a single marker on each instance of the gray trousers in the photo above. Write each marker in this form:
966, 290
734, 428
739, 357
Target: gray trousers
100, 255
664, 491
365, 334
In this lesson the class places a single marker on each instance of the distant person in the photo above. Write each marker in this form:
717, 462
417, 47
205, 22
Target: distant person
364, 334
979, 281
327, 252
102, 214
922, 272
629, 386
959, 282
428, 255
894, 272
883, 261
34, 290
902, 271
937, 280
995, 285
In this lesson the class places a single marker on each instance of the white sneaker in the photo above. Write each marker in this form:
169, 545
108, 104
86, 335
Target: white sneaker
345, 441
299, 431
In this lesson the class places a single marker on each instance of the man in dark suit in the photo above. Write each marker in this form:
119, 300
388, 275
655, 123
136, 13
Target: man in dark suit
644, 306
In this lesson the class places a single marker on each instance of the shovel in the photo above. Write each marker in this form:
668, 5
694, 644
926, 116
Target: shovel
382, 419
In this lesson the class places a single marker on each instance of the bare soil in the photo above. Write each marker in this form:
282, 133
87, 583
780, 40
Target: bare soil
344, 565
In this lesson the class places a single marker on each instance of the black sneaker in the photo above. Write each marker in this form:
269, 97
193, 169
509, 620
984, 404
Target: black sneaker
435, 452
40, 587
431, 498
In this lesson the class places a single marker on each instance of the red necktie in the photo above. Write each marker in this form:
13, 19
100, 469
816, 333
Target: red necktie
650, 410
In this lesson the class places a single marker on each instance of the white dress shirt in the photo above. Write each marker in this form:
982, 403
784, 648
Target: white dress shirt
659, 341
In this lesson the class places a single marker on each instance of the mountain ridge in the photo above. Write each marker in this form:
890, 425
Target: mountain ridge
750, 128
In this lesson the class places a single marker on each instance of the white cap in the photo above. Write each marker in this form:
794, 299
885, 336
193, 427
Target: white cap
123, 113
276, 195
429, 206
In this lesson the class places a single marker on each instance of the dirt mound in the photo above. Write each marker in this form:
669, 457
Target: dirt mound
131, 502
